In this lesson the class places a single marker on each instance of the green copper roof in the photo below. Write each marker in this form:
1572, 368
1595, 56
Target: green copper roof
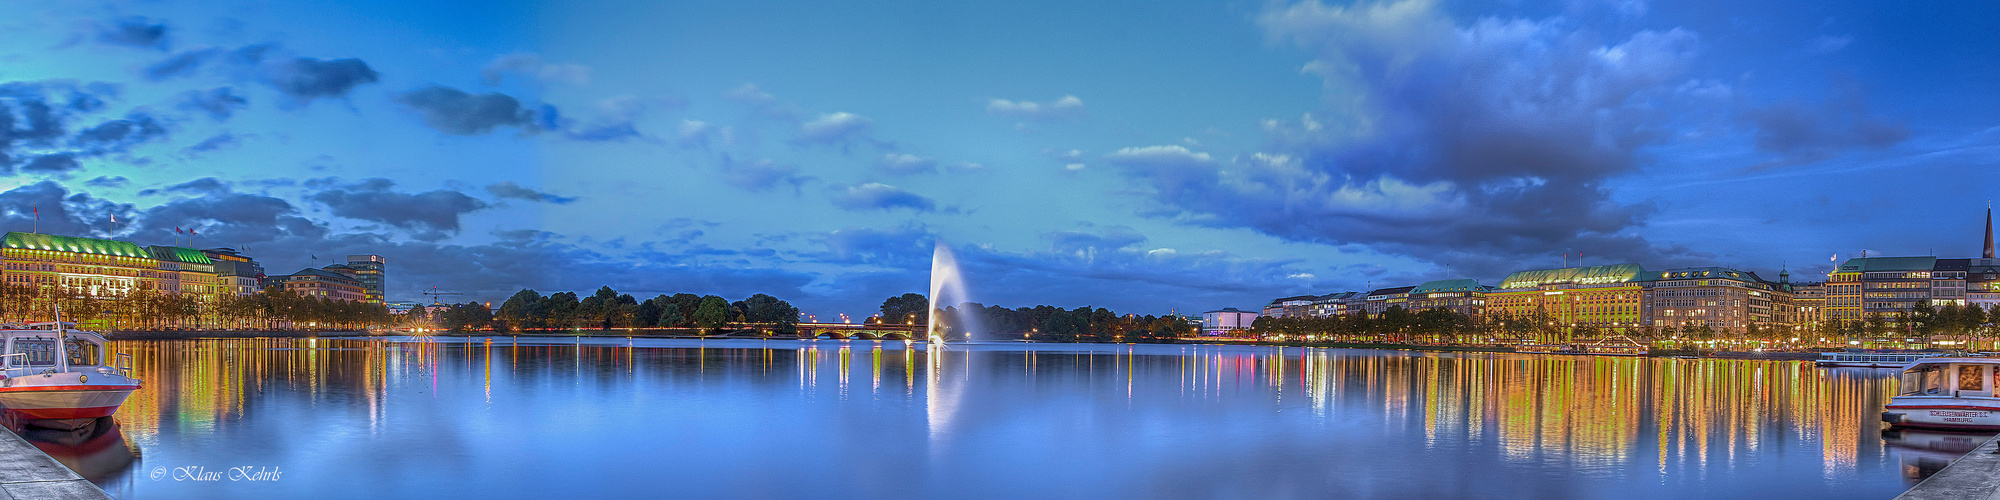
93, 246
1709, 273
178, 254
1619, 273
1873, 264
1458, 285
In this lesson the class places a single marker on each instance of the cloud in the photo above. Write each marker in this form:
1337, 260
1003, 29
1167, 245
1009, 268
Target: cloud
180, 64
614, 119
1494, 137
699, 134
106, 181
532, 66
219, 103
508, 189
454, 111
1828, 44
878, 196
51, 163
906, 164
833, 128
305, 78
134, 32
119, 135
759, 175
749, 94
216, 142
1799, 132
372, 200
1066, 108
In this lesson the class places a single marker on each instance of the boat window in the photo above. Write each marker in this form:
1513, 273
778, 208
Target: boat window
82, 353
37, 351
1969, 378
1934, 380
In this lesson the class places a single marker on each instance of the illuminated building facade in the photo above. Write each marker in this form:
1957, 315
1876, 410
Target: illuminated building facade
1888, 286
1332, 304
1462, 296
370, 269
1809, 302
1290, 307
185, 271
1723, 299
1225, 320
1381, 299
323, 283
235, 273
1611, 298
1982, 282
93, 266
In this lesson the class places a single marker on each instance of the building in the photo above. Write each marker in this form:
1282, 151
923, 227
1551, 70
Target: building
1226, 320
1809, 302
1886, 286
1332, 304
185, 271
403, 306
92, 266
235, 273
1290, 307
1982, 282
1462, 296
323, 283
370, 269
1728, 301
1381, 299
1610, 297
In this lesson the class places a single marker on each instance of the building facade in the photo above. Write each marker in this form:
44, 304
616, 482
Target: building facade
1728, 301
1290, 307
235, 273
323, 283
371, 270
88, 265
1611, 298
1462, 296
1226, 320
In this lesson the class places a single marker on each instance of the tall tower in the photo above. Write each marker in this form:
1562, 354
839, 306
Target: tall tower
370, 270
1989, 233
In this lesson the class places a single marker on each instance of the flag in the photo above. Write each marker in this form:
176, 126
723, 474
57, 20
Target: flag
314, 257
190, 230
177, 230
38, 212
114, 218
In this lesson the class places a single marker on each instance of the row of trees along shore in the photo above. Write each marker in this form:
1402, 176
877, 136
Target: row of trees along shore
145, 308
1970, 323
1040, 323
528, 310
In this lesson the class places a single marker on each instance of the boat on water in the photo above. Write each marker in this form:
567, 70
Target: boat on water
1866, 359
60, 376
1947, 393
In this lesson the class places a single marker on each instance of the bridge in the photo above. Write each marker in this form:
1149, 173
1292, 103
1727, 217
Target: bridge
878, 331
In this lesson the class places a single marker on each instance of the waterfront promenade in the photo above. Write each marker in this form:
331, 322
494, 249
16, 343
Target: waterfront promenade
26, 472
1974, 476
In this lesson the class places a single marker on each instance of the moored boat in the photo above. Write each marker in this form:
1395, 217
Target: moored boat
60, 376
1947, 393
1867, 359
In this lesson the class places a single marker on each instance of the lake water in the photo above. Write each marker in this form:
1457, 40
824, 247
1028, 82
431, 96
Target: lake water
562, 418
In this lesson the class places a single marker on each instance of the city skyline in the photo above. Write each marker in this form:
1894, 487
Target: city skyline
1200, 156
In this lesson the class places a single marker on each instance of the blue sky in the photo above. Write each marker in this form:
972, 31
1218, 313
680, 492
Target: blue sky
1142, 156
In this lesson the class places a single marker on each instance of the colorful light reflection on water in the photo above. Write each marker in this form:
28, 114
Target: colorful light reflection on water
840, 419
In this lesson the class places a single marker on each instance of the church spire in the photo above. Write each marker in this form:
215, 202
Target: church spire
1989, 231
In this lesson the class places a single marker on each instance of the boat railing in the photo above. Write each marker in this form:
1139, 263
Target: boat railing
123, 364
23, 370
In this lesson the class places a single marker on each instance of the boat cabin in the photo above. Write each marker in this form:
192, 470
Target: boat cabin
1951, 377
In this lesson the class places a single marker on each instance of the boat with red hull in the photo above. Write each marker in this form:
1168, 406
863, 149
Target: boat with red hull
57, 375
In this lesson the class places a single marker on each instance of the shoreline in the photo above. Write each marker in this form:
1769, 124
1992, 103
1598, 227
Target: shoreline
253, 334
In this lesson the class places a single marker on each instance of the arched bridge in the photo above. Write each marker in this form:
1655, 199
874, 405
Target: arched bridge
877, 331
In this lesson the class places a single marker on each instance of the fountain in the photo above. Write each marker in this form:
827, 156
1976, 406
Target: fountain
944, 277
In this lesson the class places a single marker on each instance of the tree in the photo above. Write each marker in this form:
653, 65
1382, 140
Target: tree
712, 314
909, 308
561, 308
782, 317
524, 309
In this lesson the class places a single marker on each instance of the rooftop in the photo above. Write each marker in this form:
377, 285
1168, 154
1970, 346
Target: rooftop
1616, 273
1874, 264
1457, 285
178, 254
94, 246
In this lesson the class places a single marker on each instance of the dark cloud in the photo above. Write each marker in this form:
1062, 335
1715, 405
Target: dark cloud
508, 189
106, 181
435, 211
181, 64
533, 67
1802, 133
34, 116
454, 111
119, 135
60, 212
219, 103
219, 141
878, 196
51, 163
134, 32
306, 78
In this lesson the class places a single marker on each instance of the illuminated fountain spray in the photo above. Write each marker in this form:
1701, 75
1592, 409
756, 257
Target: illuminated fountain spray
944, 278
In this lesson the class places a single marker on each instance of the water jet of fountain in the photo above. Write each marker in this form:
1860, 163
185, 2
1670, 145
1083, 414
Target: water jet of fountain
945, 277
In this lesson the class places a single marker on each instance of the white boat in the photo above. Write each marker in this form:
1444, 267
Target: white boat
59, 377
1859, 359
1947, 393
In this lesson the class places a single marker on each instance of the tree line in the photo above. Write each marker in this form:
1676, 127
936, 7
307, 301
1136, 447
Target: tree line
529, 310
1444, 326
1040, 323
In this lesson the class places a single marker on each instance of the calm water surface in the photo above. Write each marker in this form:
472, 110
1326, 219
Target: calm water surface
860, 419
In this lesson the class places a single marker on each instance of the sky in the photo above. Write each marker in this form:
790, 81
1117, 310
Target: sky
1147, 157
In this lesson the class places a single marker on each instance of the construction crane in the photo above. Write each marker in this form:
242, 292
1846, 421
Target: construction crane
434, 293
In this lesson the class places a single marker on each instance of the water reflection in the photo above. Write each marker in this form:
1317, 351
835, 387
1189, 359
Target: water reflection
97, 450
518, 417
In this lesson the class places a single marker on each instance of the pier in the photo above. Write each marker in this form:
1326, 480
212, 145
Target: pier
26, 472
1975, 476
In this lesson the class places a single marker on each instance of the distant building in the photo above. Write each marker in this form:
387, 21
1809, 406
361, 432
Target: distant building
1610, 297
322, 283
1982, 281
1290, 307
1462, 296
403, 306
235, 273
1332, 304
95, 267
1809, 300
1225, 320
1382, 299
1723, 299
372, 271
1888, 286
